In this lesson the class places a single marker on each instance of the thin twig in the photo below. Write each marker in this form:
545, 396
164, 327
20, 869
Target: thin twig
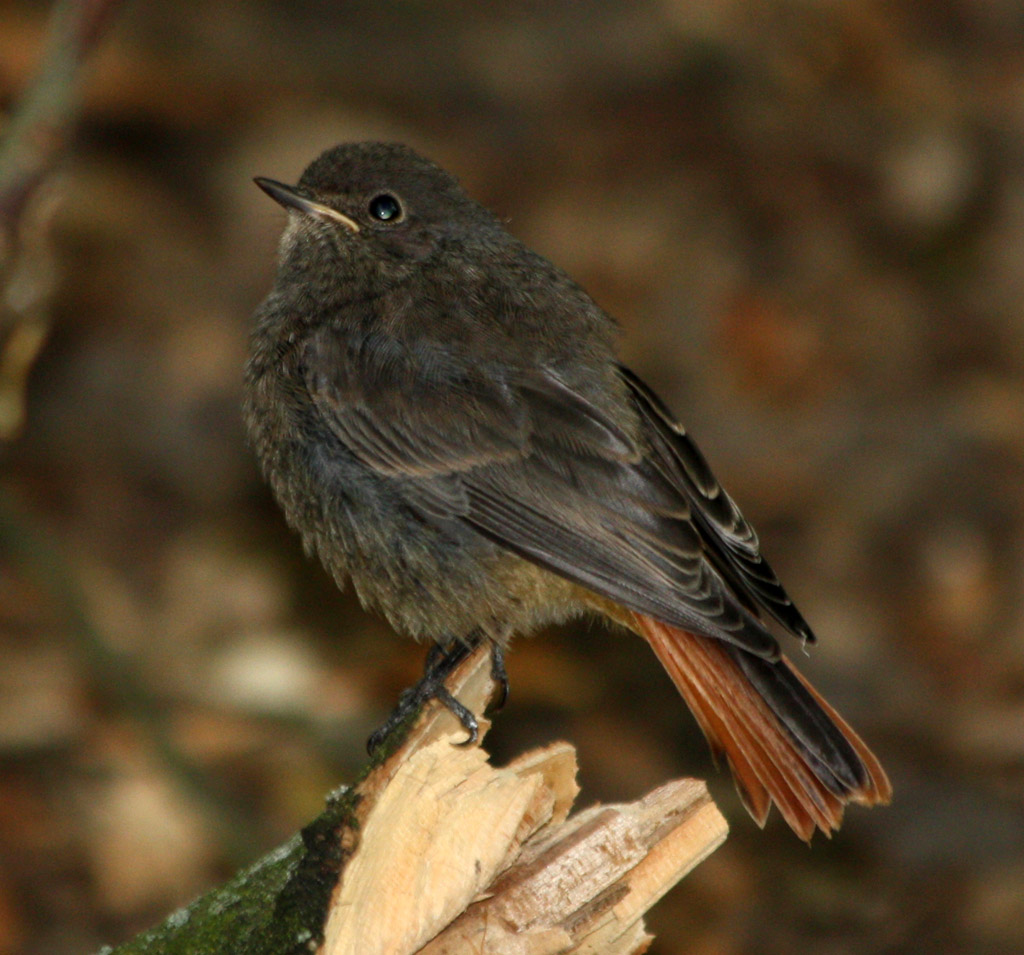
38, 131
31, 143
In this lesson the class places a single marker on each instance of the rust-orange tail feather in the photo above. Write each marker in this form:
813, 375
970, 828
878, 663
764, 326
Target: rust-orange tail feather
783, 742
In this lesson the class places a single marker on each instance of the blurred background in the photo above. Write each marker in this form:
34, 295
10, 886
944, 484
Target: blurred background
808, 219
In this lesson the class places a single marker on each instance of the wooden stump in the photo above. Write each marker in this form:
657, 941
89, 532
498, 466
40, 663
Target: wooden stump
437, 852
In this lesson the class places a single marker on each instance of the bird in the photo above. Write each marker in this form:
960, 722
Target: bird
442, 416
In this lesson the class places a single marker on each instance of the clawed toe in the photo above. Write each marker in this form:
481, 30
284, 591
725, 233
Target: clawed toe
441, 661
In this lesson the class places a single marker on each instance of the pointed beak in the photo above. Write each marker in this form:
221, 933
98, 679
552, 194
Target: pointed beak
291, 198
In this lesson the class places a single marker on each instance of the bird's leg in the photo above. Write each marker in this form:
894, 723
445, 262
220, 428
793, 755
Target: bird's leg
442, 659
499, 674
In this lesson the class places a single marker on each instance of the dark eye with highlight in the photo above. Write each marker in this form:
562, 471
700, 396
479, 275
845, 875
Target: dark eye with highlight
385, 208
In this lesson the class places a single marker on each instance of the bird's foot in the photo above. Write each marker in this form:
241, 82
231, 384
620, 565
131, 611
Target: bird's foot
442, 659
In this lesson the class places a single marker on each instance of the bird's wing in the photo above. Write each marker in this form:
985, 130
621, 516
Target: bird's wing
731, 541
533, 465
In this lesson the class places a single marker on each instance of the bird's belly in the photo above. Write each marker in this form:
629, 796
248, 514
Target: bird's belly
432, 578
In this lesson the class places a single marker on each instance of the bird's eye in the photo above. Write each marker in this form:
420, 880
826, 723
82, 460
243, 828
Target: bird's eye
385, 208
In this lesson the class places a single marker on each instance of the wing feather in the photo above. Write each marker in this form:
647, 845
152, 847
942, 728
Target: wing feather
621, 504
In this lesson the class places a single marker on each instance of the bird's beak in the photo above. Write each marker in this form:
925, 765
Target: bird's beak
291, 198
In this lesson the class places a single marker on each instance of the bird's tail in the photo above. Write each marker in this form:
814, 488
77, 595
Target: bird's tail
783, 742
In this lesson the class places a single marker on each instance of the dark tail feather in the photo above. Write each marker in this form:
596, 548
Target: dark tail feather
782, 741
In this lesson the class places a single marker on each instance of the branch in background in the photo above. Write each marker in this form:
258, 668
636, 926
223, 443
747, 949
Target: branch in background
436, 852
37, 133
31, 142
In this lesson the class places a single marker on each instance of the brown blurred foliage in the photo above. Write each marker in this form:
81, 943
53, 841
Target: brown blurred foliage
809, 220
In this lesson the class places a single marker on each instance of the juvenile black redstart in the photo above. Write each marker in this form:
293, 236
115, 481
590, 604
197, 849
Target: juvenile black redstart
442, 417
